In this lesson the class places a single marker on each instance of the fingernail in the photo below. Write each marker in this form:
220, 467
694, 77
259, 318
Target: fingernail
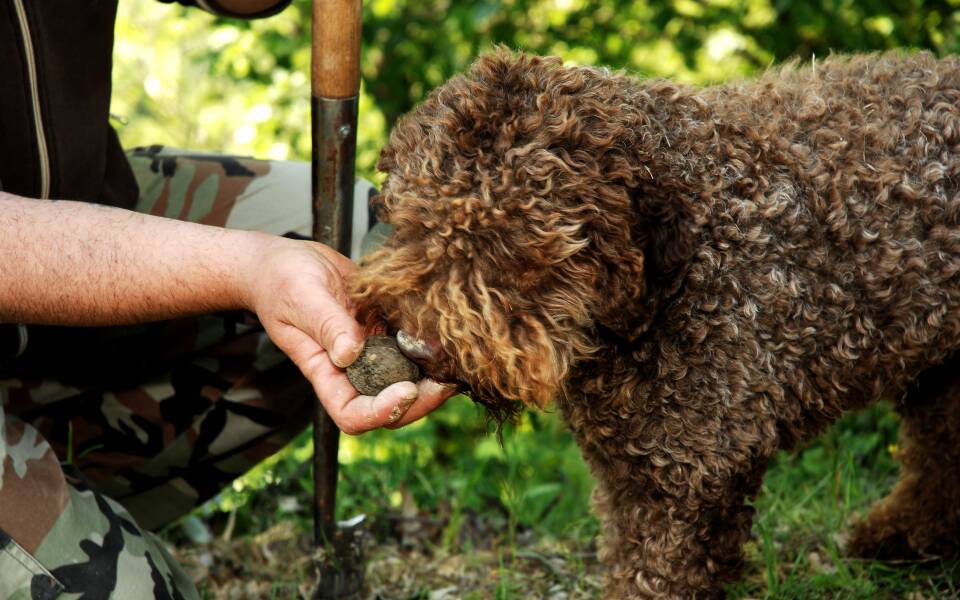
433, 387
411, 393
345, 351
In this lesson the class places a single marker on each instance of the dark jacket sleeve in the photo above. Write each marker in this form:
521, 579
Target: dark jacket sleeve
216, 7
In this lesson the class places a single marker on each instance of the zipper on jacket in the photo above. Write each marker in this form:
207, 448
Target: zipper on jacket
35, 96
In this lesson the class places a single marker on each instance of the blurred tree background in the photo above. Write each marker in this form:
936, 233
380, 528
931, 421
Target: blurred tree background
445, 487
190, 80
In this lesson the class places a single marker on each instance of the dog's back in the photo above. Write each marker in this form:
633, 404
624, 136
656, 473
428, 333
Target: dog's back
837, 225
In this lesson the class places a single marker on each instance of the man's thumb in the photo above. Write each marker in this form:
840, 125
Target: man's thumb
339, 333
345, 350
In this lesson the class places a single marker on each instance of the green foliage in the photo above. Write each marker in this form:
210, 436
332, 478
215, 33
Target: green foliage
188, 79
450, 466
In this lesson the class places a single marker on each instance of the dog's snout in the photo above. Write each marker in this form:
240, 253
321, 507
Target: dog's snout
416, 349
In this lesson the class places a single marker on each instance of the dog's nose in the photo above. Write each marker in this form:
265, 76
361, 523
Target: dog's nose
416, 349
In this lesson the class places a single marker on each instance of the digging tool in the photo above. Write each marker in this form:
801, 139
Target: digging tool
335, 86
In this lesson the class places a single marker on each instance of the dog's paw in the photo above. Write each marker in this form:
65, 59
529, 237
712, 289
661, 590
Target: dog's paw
880, 541
905, 535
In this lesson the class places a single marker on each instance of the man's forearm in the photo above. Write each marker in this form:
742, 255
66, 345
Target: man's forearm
70, 263
80, 264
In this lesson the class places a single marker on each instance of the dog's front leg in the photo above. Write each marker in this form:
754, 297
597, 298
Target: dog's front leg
672, 529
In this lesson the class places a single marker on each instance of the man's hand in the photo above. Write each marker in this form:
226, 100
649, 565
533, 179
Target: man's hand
69, 263
297, 290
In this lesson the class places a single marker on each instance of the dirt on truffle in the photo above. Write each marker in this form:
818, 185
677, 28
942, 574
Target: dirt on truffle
381, 364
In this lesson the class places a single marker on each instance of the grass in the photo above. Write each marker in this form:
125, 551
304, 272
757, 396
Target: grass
810, 499
455, 515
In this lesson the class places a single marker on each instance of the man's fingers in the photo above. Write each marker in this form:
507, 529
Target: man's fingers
345, 349
430, 395
354, 413
363, 413
329, 382
332, 386
399, 404
327, 322
393, 402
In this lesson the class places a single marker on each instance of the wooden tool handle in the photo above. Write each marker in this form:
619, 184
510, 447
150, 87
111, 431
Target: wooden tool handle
336, 48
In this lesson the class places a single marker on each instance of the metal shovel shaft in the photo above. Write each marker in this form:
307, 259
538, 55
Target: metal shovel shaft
335, 84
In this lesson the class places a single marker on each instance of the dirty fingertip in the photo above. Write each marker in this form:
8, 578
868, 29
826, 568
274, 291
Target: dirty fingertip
400, 398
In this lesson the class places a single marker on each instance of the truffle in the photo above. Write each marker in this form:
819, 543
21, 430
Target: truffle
379, 365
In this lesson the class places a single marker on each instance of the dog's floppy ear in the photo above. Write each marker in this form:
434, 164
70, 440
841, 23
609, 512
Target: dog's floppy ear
650, 267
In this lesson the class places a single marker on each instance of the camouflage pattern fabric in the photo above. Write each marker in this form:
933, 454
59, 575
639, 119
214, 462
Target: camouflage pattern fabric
108, 433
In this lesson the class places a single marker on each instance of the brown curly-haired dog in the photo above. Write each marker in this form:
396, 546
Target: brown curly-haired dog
699, 277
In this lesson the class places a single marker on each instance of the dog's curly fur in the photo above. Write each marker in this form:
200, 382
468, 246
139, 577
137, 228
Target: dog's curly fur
699, 276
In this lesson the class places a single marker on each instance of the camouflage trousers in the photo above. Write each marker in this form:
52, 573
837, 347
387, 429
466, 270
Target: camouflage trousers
109, 433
